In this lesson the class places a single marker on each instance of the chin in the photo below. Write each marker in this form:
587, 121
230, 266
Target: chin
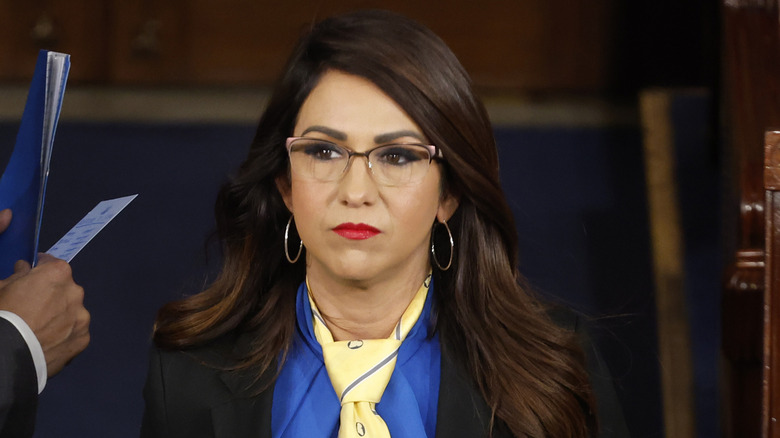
356, 274
355, 271
358, 267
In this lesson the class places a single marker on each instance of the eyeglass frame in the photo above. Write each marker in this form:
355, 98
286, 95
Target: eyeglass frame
434, 151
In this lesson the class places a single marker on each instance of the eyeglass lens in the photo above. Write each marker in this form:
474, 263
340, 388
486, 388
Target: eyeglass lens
393, 165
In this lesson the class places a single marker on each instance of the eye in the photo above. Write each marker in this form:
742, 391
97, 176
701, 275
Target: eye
401, 155
320, 150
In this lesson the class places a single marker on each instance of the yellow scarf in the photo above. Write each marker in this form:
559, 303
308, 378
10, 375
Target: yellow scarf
360, 370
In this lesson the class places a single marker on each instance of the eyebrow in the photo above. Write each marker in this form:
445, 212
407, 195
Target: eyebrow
379, 139
330, 132
390, 136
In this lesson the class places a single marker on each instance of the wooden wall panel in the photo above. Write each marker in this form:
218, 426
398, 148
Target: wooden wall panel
532, 44
535, 45
77, 27
148, 42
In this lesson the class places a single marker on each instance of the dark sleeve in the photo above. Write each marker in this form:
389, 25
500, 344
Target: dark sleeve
612, 423
18, 384
154, 422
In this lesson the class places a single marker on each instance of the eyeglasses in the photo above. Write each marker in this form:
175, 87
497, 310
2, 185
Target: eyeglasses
390, 165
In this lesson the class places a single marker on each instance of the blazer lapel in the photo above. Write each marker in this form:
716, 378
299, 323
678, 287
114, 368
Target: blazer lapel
461, 413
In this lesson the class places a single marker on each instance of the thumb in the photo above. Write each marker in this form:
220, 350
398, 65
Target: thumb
44, 258
5, 219
21, 267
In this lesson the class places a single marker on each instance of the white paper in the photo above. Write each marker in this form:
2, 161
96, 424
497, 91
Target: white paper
77, 238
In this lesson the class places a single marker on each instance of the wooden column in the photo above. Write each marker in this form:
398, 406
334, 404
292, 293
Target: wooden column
771, 379
674, 339
751, 50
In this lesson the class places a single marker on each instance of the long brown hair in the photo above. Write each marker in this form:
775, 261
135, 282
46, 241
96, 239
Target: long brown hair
530, 371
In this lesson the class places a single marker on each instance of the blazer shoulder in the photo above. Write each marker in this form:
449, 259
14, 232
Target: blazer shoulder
609, 410
198, 392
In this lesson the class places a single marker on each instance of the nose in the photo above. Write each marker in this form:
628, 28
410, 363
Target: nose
357, 186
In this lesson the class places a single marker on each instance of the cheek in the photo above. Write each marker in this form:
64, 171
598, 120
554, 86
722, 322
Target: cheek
416, 209
304, 196
308, 202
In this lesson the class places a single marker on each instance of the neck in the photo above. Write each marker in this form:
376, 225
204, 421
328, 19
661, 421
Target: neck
363, 310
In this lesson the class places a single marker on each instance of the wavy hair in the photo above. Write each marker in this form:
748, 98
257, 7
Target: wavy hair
530, 372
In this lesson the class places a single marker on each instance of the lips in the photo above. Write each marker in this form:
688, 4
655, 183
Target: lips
356, 231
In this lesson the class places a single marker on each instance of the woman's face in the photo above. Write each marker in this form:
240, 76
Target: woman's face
354, 229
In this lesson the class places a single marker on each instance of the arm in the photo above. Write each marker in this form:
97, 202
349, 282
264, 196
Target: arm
18, 384
154, 423
47, 305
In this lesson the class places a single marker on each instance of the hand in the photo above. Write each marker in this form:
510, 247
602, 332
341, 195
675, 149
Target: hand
50, 302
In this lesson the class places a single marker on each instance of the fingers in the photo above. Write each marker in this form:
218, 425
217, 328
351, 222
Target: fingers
5, 219
81, 330
70, 336
60, 354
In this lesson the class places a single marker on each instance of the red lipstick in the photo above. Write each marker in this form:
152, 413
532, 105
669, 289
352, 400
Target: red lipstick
356, 231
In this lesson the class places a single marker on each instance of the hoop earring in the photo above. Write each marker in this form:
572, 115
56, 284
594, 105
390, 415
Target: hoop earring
433, 245
286, 251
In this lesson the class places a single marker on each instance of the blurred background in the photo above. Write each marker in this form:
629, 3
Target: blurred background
163, 97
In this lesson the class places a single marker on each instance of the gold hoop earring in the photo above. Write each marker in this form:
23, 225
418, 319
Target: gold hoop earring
286, 251
433, 245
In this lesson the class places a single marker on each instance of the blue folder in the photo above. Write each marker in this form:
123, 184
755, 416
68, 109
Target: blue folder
23, 183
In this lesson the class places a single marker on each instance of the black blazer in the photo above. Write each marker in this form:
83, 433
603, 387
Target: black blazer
18, 384
188, 395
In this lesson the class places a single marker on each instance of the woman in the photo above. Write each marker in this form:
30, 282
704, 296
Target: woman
369, 285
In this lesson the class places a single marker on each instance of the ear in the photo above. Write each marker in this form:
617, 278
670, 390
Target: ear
283, 185
447, 207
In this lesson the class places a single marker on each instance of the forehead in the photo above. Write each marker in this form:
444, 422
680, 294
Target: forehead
352, 105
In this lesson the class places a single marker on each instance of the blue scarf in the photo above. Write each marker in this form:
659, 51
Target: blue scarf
305, 403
